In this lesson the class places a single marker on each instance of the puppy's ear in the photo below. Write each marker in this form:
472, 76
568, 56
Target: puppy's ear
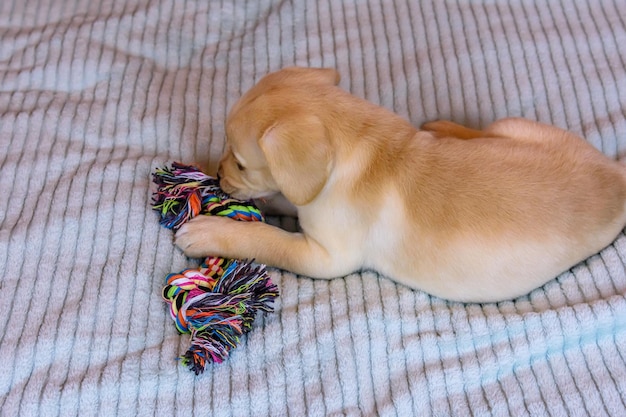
311, 75
299, 156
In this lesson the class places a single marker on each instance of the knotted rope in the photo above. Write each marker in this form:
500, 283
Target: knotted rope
217, 302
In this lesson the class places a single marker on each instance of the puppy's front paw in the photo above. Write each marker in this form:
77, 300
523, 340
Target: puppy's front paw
202, 236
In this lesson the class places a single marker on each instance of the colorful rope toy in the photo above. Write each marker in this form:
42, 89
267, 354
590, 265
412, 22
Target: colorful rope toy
217, 302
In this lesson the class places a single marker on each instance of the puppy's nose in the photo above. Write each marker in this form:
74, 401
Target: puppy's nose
219, 173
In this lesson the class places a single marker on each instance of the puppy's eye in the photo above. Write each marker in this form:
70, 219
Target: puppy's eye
240, 167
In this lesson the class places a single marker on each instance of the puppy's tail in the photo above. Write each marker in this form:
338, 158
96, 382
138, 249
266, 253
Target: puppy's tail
622, 161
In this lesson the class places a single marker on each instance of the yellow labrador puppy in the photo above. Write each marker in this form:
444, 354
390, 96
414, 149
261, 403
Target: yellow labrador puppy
463, 214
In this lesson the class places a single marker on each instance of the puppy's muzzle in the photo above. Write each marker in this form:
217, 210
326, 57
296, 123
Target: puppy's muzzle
223, 182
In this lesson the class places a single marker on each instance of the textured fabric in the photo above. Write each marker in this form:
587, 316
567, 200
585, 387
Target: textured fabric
94, 95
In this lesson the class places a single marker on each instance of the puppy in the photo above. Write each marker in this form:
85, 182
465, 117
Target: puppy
463, 214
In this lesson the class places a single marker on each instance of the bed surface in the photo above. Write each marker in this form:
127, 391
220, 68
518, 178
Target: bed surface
94, 95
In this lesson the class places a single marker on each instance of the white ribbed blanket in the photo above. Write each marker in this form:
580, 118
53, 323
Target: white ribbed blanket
95, 94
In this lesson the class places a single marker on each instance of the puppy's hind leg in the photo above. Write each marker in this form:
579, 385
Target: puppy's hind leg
445, 128
529, 131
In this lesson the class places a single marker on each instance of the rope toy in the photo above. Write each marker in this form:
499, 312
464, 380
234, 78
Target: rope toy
217, 302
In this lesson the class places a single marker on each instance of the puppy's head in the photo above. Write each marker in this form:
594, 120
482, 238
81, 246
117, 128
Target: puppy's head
276, 138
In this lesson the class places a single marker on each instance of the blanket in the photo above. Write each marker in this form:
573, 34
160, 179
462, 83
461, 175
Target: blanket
94, 95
